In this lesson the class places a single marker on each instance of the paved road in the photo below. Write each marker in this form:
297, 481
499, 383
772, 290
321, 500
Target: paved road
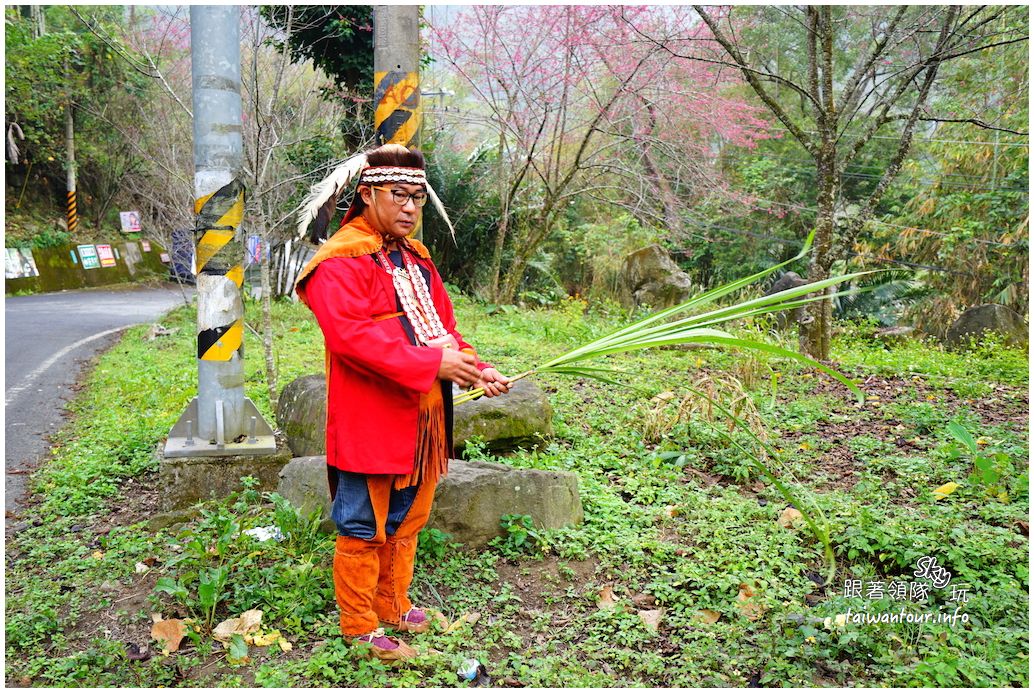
47, 339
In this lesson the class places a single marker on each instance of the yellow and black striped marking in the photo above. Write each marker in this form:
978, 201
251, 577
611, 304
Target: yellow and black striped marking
73, 213
218, 216
220, 343
397, 118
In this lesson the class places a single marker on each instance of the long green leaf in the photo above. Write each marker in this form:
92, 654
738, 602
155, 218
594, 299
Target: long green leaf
762, 346
775, 301
713, 294
733, 312
595, 374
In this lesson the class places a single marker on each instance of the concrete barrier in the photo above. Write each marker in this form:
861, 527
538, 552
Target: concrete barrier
61, 268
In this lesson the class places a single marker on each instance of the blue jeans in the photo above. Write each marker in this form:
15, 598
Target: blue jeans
352, 511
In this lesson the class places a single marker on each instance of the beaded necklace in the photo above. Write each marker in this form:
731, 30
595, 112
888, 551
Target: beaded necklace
422, 314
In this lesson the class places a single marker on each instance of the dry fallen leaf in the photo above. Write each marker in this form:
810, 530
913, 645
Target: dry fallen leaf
749, 606
285, 645
157, 617
265, 639
651, 618
169, 633
98, 555
672, 510
141, 568
471, 617
225, 629
644, 601
246, 623
251, 620
789, 518
708, 616
945, 490
606, 600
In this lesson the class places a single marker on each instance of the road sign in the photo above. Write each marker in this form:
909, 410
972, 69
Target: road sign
88, 254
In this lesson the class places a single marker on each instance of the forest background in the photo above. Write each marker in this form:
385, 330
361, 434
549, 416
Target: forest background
560, 150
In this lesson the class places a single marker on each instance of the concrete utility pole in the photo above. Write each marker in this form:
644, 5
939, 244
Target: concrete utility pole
396, 74
220, 421
73, 209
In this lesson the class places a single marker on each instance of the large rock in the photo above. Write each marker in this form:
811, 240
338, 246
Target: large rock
654, 279
789, 280
469, 501
990, 317
520, 418
303, 481
302, 415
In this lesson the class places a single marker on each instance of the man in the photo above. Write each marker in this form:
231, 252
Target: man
393, 353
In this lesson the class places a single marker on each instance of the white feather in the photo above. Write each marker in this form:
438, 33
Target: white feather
440, 208
332, 185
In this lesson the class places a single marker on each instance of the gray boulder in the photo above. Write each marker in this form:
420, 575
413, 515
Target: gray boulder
990, 317
302, 415
469, 501
654, 279
303, 482
784, 319
474, 495
520, 418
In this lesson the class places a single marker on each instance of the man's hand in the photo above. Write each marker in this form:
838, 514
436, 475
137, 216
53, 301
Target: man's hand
458, 367
493, 382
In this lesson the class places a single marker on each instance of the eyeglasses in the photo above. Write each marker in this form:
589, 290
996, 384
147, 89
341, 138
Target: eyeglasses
401, 197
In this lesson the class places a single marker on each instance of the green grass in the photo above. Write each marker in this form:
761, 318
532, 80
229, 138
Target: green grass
683, 519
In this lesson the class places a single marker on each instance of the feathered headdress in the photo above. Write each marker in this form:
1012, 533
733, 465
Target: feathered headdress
318, 208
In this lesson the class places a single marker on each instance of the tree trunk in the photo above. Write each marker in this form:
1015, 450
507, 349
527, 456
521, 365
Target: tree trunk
512, 279
501, 229
818, 329
39, 26
267, 315
654, 173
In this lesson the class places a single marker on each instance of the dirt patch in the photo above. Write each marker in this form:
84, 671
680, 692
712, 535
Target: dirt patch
1007, 405
533, 580
839, 468
139, 502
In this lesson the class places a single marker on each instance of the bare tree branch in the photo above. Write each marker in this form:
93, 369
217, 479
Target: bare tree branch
807, 142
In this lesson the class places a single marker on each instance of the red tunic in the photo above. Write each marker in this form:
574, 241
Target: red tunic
375, 376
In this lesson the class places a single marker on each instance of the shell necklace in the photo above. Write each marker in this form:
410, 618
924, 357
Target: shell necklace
413, 295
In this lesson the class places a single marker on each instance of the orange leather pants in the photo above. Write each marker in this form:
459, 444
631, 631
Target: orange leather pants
372, 576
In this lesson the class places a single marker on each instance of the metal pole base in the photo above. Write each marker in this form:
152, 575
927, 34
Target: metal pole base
184, 442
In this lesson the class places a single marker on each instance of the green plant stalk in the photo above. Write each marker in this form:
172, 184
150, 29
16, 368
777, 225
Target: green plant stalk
692, 329
821, 533
758, 306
